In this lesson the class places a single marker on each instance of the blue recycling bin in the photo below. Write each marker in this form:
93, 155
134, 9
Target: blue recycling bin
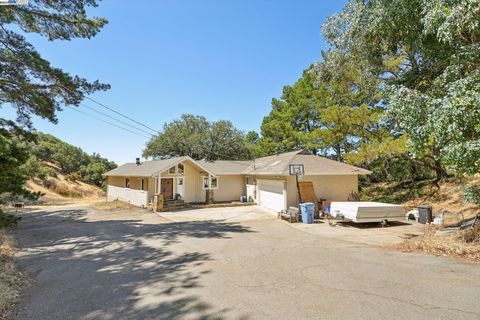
308, 211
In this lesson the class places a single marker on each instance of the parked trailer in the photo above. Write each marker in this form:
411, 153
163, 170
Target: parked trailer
367, 212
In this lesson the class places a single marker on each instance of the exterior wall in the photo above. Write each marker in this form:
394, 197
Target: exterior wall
135, 197
116, 181
332, 188
230, 188
116, 190
336, 188
192, 184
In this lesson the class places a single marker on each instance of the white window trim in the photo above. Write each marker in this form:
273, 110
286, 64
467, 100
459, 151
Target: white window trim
177, 169
209, 183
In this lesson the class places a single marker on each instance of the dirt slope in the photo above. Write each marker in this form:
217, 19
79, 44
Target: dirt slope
59, 189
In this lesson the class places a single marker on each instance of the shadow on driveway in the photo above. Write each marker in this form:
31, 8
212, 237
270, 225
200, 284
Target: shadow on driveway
114, 269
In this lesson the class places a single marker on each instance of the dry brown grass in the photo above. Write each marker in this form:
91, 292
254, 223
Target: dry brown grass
449, 198
60, 189
463, 244
113, 206
11, 281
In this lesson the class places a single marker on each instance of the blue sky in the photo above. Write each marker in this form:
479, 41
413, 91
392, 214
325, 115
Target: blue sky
220, 59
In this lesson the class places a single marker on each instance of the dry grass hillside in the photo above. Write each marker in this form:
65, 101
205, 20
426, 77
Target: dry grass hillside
61, 189
448, 198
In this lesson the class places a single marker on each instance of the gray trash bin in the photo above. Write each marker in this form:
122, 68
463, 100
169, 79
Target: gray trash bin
425, 214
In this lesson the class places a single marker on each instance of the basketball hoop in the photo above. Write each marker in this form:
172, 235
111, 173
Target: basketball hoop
296, 169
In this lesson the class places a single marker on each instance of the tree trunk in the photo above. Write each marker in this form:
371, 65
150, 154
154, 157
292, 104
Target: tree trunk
338, 151
440, 172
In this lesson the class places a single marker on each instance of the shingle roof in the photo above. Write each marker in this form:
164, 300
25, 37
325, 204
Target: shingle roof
313, 165
225, 167
272, 165
151, 168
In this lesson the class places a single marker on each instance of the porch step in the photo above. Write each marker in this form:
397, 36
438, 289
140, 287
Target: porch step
172, 205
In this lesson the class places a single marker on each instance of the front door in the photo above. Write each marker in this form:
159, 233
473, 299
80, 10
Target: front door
166, 188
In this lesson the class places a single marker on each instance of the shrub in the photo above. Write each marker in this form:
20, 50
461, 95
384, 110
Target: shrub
8, 220
73, 177
471, 194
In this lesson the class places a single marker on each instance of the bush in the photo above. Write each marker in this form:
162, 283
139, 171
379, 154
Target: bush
471, 194
73, 177
8, 220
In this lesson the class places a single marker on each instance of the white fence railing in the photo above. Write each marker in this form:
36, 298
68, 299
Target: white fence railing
136, 197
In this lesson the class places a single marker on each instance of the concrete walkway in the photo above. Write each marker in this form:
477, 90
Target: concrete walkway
233, 264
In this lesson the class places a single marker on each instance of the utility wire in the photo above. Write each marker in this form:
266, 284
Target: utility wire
120, 121
107, 122
104, 106
121, 114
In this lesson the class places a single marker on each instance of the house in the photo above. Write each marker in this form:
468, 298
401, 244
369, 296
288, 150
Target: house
266, 181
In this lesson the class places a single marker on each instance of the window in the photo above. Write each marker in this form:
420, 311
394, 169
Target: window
127, 183
213, 183
172, 170
181, 168
143, 184
156, 185
210, 183
205, 183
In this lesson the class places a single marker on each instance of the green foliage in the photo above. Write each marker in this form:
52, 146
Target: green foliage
92, 173
471, 194
8, 220
35, 168
13, 155
252, 144
294, 118
198, 138
397, 191
27, 81
332, 109
73, 161
32, 86
427, 53
66, 156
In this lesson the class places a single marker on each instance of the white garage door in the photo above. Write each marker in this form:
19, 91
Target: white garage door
271, 195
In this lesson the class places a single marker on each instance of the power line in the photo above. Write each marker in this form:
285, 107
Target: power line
108, 108
121, 114
120, 121
107, 122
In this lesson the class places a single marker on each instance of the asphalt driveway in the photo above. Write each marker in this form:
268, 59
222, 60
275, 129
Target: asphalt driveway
240, 264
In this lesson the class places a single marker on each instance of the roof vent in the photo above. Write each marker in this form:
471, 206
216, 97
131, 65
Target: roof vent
137, 161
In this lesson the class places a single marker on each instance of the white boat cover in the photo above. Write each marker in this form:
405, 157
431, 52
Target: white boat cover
367, 211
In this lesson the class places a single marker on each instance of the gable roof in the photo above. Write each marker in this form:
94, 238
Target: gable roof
226, 167
313, 165
151, 168
277, 165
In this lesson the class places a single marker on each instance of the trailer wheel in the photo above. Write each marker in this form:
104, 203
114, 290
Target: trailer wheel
384, 223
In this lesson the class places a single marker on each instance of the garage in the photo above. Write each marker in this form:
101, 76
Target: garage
271, 194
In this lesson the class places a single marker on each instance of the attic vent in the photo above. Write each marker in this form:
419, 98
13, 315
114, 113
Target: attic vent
137, 161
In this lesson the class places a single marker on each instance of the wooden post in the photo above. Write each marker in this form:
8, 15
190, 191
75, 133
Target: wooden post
158, 203
209, 196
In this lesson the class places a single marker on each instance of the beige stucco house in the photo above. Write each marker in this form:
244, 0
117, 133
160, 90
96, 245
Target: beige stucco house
266, 181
